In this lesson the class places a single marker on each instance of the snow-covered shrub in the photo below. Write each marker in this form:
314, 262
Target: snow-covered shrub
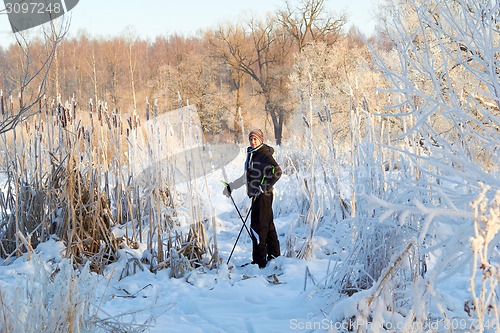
486, 268
49, 298
446, 76
310, 188
375, 240
417, 167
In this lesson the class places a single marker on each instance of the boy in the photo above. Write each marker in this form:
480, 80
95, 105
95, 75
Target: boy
261, 173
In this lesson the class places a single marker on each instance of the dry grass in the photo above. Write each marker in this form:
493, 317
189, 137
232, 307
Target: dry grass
71, 176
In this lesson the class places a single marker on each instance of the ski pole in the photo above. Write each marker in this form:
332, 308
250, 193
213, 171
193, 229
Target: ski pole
239, 234
235, 206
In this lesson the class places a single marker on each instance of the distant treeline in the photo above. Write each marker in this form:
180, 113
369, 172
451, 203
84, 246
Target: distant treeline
241, 69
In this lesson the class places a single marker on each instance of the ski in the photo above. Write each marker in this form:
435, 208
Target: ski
246, 264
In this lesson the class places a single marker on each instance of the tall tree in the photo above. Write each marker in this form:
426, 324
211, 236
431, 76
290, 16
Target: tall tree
309, 21
260, 49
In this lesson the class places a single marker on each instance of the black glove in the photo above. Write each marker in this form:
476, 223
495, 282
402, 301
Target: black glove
227, 190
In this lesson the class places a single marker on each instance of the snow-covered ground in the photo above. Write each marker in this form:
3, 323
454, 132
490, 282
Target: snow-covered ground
286, 296
229, 299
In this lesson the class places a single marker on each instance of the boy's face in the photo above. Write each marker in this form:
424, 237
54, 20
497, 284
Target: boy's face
254, 142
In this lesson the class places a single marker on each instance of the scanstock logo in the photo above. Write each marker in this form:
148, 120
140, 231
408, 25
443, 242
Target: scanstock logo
169, 151
26, 14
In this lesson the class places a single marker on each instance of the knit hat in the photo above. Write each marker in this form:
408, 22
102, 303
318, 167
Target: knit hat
258, 134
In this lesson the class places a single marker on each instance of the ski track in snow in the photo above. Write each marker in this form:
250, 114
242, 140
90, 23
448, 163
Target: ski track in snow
225, 300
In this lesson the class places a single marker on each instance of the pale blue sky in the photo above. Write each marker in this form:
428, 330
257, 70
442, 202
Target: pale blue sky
150, 18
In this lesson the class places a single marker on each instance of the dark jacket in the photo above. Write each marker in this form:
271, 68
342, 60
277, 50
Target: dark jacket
262, 170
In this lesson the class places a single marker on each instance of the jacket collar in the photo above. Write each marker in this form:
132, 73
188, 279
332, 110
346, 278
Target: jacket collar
252, 150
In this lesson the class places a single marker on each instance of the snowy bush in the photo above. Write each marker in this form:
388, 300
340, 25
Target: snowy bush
447, 80
55, 299
417, 168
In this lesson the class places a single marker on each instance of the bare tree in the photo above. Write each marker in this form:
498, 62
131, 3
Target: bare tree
36, 59
260, 49
310, 22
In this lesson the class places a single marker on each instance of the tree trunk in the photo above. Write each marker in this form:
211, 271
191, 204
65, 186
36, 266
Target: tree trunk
276, 113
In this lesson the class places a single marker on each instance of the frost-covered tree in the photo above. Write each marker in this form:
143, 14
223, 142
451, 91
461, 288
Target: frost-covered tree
338, 79
425, 173
445, 95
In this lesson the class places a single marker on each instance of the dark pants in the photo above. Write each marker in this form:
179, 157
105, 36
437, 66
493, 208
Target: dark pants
264, 238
